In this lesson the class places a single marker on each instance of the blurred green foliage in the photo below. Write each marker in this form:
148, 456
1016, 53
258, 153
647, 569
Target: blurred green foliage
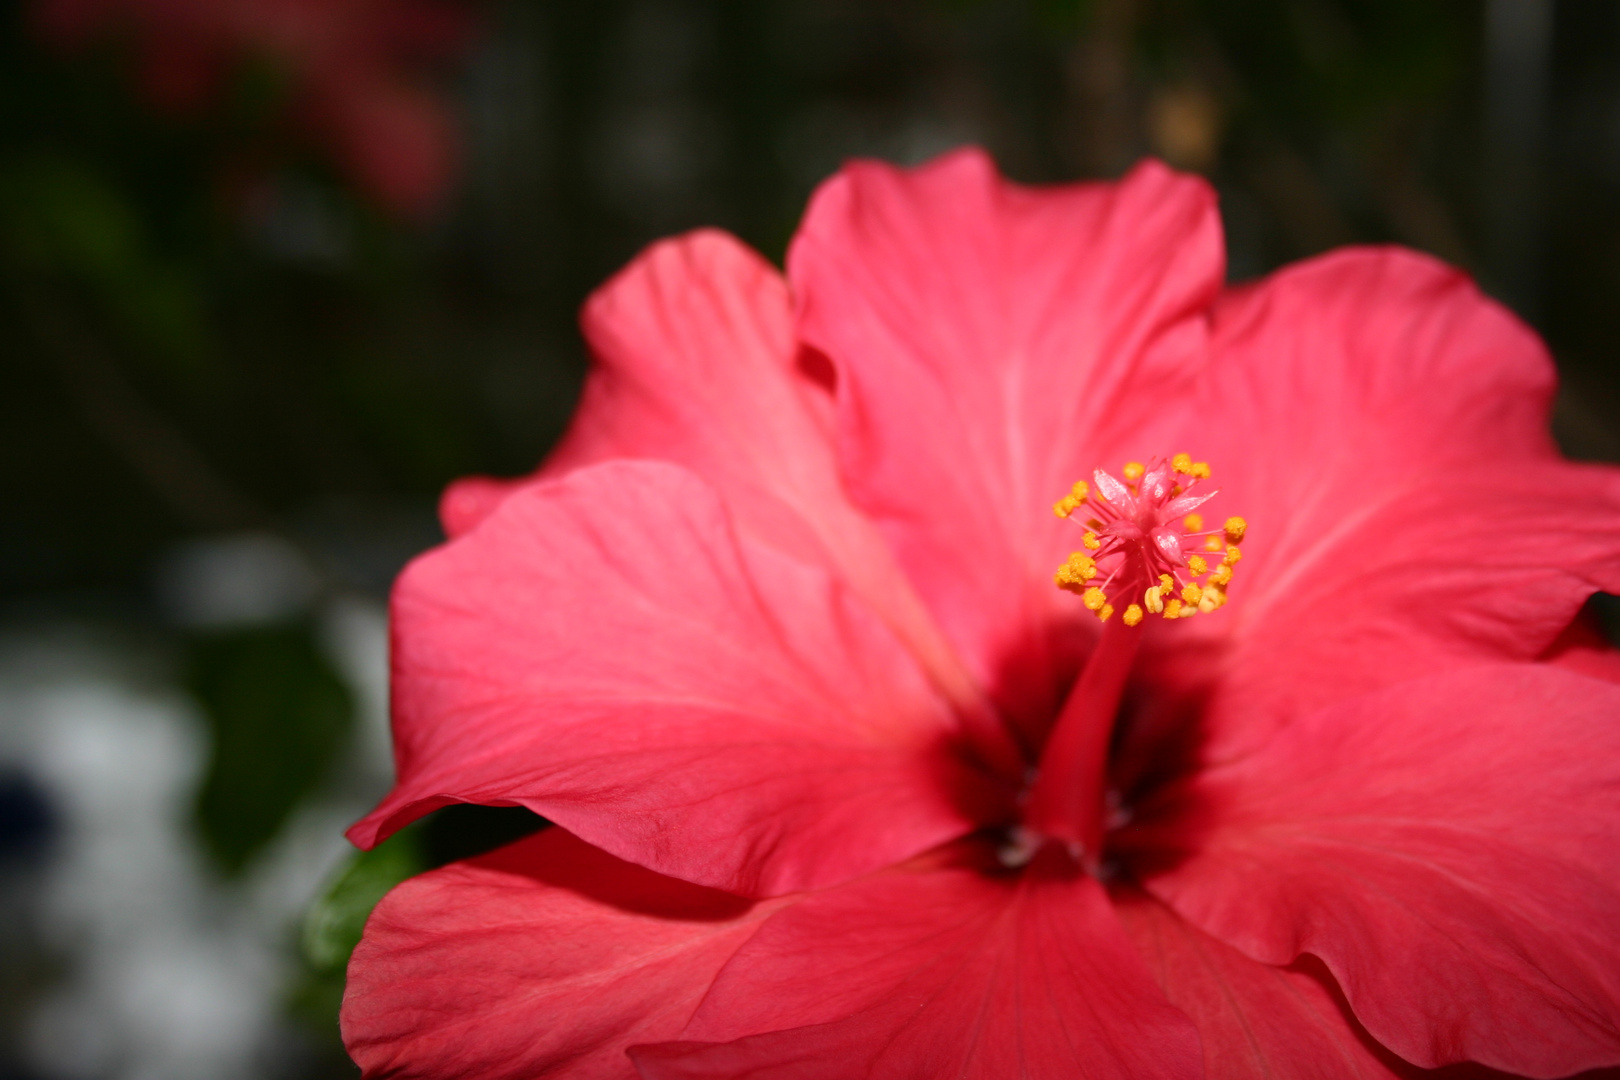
278, 716
333, 924
61, 220
332, 927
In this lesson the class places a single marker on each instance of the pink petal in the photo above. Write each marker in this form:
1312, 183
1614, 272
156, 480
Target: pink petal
1368, 358
950, 970
1459, 568
696, 364
606, 651
1582, 647
545, 959
1263, 1022
472, 499
1446, 847
1383, 428
1254, 1020
994, 343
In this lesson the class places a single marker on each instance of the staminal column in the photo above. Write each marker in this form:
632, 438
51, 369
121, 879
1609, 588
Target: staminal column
1068, 802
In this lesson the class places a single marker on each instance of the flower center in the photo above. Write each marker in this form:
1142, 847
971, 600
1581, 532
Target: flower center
1147, 543
1146, 548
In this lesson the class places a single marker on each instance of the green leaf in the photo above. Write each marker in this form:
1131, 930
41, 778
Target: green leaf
279, 715
332, 925
60, 215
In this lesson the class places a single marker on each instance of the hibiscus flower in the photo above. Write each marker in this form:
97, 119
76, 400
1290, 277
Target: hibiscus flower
844, 786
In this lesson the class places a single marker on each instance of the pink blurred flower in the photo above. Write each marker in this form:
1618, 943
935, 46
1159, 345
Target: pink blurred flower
773, 640
359, 72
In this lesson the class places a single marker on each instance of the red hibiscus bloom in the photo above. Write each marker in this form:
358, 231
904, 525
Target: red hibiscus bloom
774, 640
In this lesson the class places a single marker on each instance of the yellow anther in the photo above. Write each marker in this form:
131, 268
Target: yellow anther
1073, 574
1091, 541
1199, 470
1133, 471
1196, 564
1232, 555
1133, 615
1094, 599
1172, 609
1222, 575
1212, 599
1071, 502
1154, 599
1235, 528
1213, 543
1107, 610
1193, 522
1166, 582
1182, 463
1192, 594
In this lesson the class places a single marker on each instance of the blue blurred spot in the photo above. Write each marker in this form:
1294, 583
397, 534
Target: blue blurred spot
28, 822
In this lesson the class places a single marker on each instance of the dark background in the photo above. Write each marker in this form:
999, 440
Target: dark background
264, 293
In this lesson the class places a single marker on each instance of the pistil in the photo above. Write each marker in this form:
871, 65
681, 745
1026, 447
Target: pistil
1145, 550
1067, 802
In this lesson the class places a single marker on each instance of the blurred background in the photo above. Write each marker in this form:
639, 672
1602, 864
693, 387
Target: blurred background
272, 272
